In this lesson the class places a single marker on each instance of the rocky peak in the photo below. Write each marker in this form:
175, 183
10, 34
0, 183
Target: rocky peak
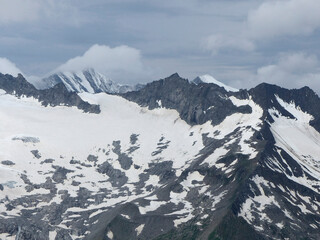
55, 96
87, 80
196, 104
17, 85
207, 79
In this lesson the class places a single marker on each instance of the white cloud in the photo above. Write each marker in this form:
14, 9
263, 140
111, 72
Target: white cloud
271, 19
121, 63
218, 42
293, 70
282, 18
7, 67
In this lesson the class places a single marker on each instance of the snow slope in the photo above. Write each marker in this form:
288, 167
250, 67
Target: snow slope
299, 140
209, 79
289, 182
42, 142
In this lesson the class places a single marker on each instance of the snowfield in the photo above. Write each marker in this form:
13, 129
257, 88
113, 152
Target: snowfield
39, 140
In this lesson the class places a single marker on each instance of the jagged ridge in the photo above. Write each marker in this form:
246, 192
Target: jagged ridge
87, 80
55, 96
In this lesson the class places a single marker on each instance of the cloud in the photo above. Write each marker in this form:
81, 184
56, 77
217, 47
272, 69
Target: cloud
271, 19
18, 10
22, 11
293, 70
218, 42
284, 18
7, 67
122, 63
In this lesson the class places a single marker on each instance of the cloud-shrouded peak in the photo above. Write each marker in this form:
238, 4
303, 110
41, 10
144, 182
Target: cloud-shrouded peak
120, 63
8, 67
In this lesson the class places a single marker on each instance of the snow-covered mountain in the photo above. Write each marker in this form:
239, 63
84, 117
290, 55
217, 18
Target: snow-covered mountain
209, 79
87, 80
174, 160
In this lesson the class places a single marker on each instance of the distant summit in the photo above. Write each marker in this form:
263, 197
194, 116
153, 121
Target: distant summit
87, 80
209, 79
58, 95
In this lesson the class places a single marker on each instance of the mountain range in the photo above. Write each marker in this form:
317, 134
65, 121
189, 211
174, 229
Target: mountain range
87, 80
171, 159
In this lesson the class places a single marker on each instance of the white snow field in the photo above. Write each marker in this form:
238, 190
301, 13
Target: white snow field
62, 134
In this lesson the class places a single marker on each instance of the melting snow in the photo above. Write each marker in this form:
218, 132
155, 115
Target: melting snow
194, 176
154, 205
258, 202
110, 234
139, 229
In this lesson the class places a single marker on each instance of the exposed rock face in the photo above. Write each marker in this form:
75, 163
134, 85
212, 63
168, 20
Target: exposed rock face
190, 161
55, 96
196, 104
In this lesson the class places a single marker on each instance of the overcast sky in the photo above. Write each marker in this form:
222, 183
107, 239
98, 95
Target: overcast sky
239, 42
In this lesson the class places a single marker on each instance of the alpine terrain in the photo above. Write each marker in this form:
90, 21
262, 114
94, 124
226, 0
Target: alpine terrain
173, 159
87, 80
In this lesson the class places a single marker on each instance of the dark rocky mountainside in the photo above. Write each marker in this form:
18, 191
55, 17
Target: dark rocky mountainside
55, 96
173, 160
192, 101
305, 98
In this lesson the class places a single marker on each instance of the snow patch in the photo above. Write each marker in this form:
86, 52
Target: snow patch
110, 234
139, 229
153, 205
258, 203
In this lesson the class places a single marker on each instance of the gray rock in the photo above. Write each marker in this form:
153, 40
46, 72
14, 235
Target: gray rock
92, 158
60, 174
27, 139
117, 178
36, 153
7, 162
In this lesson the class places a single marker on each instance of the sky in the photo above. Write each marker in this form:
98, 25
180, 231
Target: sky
239, 42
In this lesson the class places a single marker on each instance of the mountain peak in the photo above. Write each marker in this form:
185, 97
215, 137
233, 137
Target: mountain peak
175, 75
54, 96
209, 79
86, 80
